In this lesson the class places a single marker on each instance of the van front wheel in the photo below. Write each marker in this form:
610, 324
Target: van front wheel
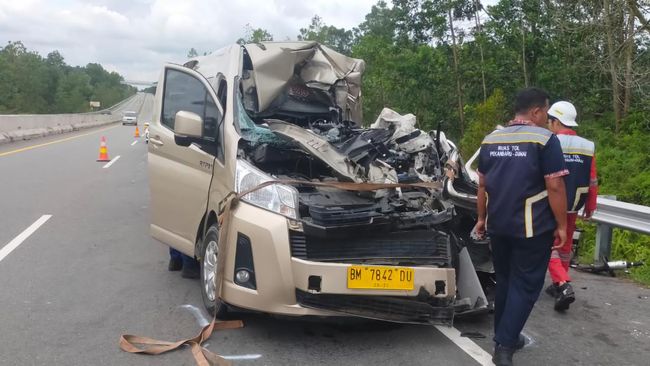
209, 273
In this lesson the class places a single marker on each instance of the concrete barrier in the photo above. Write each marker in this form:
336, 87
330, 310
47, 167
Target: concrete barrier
16, 127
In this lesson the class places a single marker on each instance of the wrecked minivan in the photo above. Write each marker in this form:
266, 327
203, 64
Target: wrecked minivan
366, 222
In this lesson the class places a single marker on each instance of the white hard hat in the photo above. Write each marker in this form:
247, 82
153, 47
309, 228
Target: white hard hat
565, 112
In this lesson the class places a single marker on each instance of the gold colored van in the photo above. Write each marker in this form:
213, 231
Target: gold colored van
291, 113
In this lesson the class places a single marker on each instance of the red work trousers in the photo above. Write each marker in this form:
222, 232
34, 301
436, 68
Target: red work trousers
558, 267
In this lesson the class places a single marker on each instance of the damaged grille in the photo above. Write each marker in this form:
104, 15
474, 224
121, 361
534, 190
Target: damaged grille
330, 216
420, 247
395, 309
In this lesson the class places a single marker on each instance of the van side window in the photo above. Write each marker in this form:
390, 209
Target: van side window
183, 92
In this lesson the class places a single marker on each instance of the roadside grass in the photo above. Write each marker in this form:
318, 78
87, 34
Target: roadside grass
626, 245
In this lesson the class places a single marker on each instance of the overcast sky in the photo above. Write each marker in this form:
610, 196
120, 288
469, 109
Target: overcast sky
134, 37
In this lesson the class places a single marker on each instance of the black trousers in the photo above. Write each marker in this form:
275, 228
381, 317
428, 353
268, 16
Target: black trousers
188, 261
520, 265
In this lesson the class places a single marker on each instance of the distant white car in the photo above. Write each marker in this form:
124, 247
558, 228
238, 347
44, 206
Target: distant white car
130, 118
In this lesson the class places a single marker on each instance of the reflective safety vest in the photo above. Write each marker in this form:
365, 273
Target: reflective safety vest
514, 162
578, 156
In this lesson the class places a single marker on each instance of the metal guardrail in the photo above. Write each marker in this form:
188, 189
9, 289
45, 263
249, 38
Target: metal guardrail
612, 214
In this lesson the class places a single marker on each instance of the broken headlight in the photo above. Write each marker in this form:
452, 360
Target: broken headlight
278, 198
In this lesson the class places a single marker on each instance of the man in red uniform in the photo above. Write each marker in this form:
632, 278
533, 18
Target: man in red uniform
581, 188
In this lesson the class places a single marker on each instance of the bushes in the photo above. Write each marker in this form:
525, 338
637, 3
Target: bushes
483, 118
623, 160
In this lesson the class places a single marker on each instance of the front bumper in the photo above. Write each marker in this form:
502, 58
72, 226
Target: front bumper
387, 308
419, 305
283, 281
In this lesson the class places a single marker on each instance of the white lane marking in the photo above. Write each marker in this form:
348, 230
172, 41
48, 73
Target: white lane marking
198, 315
22, 236
108, 165
467, 345
134, 142
243, 357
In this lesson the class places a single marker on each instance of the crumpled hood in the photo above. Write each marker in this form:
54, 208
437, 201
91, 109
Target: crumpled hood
276, 64
393, 150
314, 144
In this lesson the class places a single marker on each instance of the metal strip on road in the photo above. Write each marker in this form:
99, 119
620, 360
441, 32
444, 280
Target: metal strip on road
7, 249
243, 357
53, 142
134, 142
108, 165
467, 345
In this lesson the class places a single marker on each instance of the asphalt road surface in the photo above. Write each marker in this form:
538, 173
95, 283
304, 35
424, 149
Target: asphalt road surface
85, 270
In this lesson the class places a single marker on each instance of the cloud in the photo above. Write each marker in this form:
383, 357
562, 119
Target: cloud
135, 37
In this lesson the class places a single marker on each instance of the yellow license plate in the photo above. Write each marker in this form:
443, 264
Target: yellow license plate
380, 278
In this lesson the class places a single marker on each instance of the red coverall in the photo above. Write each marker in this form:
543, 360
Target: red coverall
558, 267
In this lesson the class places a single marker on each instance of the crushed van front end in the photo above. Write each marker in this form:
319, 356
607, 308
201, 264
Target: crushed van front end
298, 274
318, 248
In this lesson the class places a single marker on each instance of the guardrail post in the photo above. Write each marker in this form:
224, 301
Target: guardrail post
603, 237
603, 242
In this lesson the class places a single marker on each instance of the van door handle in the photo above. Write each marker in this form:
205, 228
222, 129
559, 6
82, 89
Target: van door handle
156, 141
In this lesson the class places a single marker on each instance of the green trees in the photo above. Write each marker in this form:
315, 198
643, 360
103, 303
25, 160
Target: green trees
30, 83
337, 38
192, 53
21, 78
482, 119
73, 92
410, 64
254, 35
471, 51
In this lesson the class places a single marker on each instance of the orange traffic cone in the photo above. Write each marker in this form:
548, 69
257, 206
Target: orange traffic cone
103, 151
137, 132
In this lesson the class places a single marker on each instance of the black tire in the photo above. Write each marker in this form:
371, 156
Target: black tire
213, 305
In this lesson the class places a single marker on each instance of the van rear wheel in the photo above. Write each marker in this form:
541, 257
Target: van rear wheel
209, 273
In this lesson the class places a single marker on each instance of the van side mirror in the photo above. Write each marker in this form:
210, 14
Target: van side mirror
188, 128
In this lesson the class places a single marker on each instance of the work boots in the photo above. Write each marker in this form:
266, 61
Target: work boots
175, 264
503, 355
564, 297
188, 266
191, 268
551, 290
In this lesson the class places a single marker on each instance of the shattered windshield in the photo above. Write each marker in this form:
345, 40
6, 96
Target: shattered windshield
254, 134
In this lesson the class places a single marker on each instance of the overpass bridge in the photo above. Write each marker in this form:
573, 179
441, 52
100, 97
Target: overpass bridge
140, 83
